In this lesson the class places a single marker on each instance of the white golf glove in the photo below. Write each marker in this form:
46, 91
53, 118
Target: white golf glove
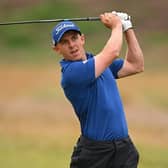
125, 19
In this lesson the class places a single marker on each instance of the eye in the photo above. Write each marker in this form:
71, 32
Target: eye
74, 37
63, 42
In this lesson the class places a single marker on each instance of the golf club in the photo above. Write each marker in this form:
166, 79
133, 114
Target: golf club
49, 21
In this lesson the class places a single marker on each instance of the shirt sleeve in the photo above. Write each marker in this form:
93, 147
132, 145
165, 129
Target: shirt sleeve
79, 73
116, 66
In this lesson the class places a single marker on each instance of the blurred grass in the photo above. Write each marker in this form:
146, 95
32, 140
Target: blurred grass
27, 153
153, 157
38, 127
157, 97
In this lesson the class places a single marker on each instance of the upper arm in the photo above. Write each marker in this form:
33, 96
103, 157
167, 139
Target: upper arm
127, 70
102, 62
99, 65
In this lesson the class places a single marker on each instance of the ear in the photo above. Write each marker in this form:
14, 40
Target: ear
83, 39
56, 48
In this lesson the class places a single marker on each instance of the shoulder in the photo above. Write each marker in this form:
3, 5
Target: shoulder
78, 72
64, 64
116, 65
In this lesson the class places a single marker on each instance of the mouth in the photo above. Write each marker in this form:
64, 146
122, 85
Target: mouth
74, 52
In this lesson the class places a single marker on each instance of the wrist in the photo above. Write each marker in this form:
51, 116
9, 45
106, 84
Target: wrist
127, 24
118, 25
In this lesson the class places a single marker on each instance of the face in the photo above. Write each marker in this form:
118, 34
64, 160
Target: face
71, 46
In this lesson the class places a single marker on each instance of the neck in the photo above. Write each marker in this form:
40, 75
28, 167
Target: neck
84, 56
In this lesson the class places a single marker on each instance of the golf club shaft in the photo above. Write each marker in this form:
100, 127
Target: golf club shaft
49, 21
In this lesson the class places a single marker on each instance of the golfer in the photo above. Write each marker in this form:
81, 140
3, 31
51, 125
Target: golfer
89, 83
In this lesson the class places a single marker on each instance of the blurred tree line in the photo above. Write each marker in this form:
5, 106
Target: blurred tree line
149, 18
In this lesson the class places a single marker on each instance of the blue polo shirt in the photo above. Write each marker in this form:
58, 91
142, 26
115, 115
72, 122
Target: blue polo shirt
96, 101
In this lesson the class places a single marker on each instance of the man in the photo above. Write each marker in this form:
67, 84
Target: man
89, 84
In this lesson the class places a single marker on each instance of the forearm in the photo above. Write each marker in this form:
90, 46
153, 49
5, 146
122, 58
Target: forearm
134, 54
113, 46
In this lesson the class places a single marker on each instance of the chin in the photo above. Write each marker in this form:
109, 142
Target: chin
76, 57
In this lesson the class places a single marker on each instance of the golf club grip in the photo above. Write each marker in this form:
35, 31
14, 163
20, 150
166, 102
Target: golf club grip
49, 21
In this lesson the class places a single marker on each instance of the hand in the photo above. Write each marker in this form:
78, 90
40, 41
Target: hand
125, 19
110, 20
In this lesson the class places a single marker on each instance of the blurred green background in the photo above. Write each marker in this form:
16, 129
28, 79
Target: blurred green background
38, 127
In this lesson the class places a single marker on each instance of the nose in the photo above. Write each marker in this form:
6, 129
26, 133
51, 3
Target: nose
71, 44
